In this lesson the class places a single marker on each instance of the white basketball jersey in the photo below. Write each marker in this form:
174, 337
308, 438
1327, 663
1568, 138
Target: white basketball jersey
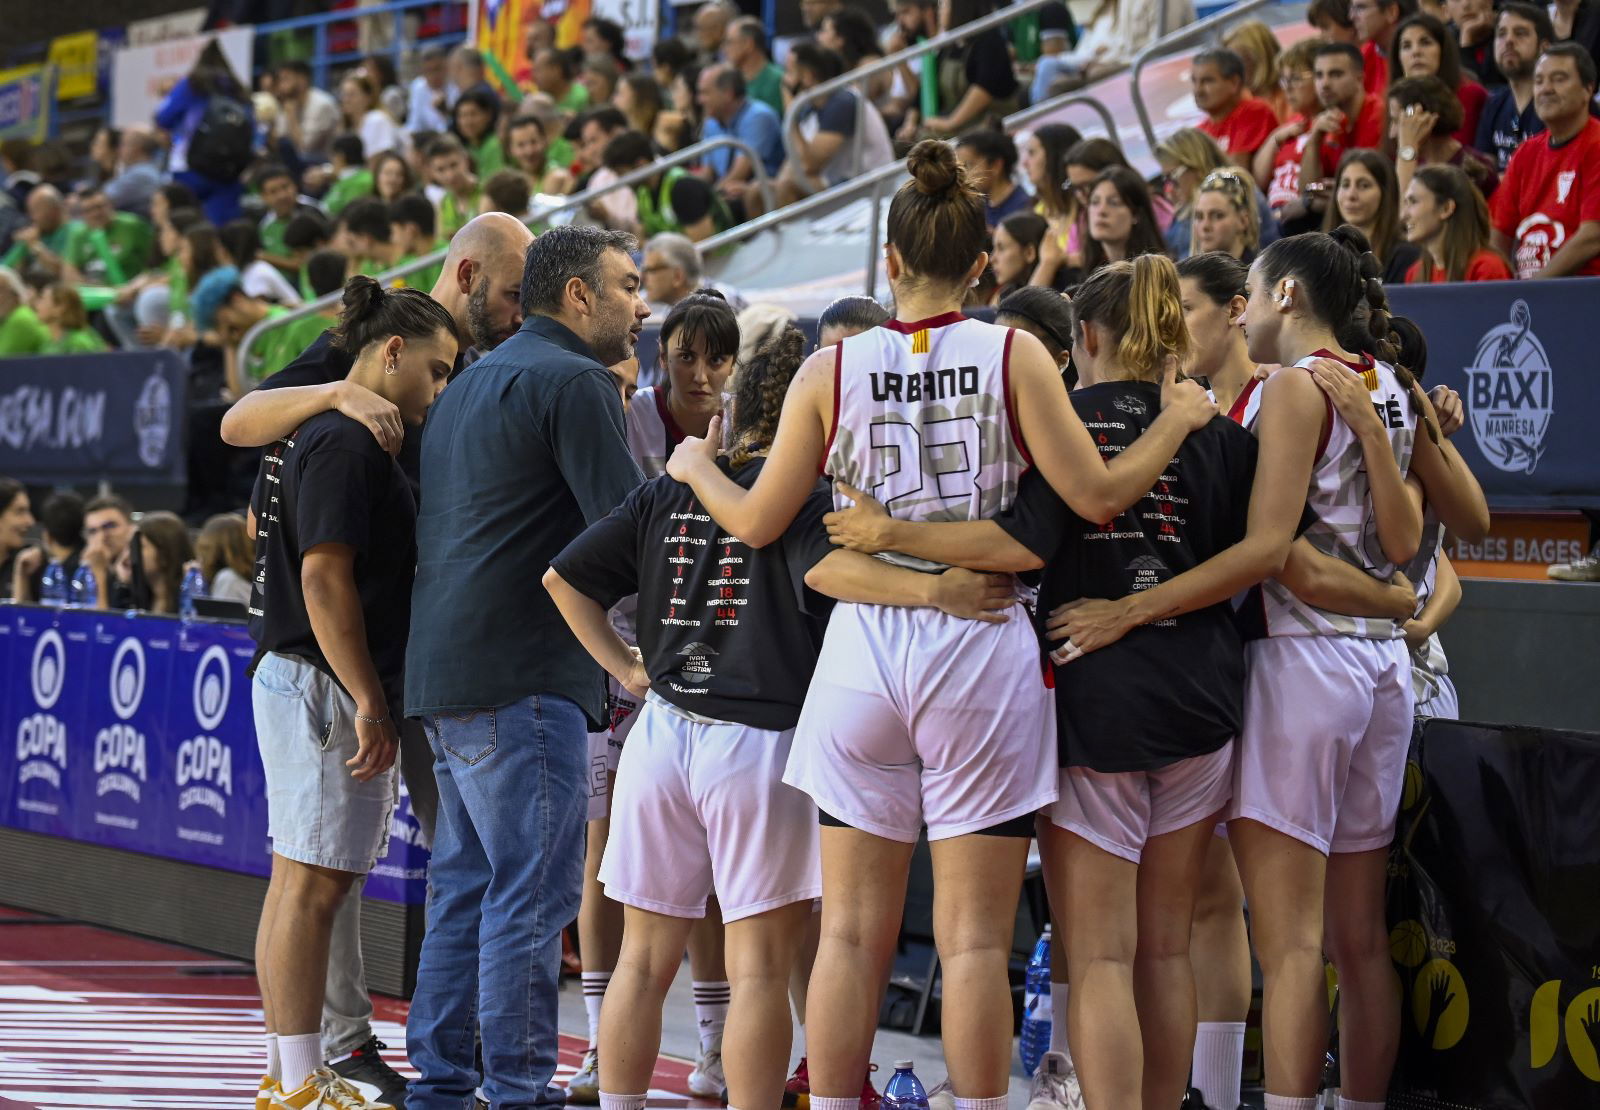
1345, 525
652, 433
1429, 668
922, 420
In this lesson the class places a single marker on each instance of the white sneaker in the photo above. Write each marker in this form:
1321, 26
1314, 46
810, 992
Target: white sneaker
584, 1086
941, 1096
1586, 569
1055, 1085
707, 1080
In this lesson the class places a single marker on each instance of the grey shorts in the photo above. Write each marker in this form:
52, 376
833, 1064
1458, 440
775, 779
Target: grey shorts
317, 813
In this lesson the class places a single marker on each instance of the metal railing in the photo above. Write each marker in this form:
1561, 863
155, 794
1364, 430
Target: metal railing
857, 78
1183, 36
321, 60
423, 262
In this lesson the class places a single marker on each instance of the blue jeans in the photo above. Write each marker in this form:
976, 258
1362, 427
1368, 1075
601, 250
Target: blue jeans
506, 878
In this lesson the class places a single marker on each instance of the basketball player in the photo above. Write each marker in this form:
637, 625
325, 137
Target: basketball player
728, 638
936, 415
698, 342
1328, 698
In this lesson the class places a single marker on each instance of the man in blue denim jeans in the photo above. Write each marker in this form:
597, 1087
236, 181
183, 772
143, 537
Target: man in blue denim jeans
523, 452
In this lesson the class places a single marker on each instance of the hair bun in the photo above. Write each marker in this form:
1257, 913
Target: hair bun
362, 296
710, 291
933, 166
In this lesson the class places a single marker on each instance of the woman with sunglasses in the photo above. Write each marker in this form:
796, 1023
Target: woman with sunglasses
1225, 217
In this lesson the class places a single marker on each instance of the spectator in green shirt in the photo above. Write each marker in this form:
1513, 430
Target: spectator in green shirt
282, 198
475, 120
556, 76
412, 225
21, 332
745, 47
107, 247
450, 171
306, 234
223, 309
41, 243
363, 236
532, 156
61, 310
351, 178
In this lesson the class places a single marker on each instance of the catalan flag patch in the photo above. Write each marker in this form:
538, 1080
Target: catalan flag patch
1370, 377
919, 341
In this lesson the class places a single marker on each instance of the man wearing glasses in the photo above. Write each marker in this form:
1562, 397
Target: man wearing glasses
1375, 22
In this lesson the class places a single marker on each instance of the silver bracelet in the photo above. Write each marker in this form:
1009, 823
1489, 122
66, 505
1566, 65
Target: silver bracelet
372, 720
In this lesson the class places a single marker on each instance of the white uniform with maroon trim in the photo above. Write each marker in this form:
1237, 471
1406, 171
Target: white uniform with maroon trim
652, 434
915, 717
1327, 717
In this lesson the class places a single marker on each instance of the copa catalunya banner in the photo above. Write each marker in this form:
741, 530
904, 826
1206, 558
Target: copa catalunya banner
142, 75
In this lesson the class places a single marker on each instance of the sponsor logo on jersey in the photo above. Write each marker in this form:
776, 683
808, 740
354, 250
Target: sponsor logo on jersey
1511, 393
41, 736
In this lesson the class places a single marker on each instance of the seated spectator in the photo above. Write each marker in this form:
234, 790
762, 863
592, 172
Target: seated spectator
505, 191
1473, 22
556, 76
283, 203
392, 177
351, 178
222, 307
104, 246
325, 272
596, 128
1546, 213
977, 81
1277, 164
639, 98
1423, 48
307, 233
1255, 43
668, 58
671, 270
600, 76
241, 248
1043, 157
210, 78
309, 117
1577, 21
1443, 213
143, 307
61, 310
1238, 121
16, 521
139, 172
431, 95
1015, 257
21, 330
1115, 32
679, 121
1375, 21
1522, 33
853, 36
1122, 224
1365, 196
227, 558
107, 532
605, 38
61, 544
41, 244
1424, 117
1350, 117
824, 138
199, 252
102, 162
475, 121
672, 200
990, 158
728, 111
469, 73
1057, 34
530, 156
1187, 157
161, 550
711, 22
1225, 216
458, 192
363, 236
1332, 21
413, 233
364, 115
1083, 162
379, 69
745, 48
847, 316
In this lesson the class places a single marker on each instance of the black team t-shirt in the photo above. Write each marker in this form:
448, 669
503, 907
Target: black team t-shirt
1173, 689
330, 482
726, 631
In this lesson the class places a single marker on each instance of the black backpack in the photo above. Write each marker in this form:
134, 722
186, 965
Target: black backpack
223, 142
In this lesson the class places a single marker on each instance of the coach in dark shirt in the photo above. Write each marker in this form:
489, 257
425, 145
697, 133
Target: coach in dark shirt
519, 455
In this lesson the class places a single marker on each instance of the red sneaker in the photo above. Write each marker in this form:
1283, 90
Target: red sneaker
797, 1092
870, 1098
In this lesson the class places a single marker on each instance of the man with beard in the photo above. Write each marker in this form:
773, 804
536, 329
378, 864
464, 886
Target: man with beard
479, 286
522, 454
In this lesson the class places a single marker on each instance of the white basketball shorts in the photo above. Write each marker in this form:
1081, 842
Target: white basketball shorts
1120, 812
605, 748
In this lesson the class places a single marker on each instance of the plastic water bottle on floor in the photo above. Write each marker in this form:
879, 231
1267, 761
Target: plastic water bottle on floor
904, 1090
194, 585
84, 591
1035, 1039
53, 584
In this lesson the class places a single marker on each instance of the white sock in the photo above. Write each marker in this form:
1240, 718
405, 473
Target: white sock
1058, 1021
274, 1067
301, 1055
1219, 1062
1289, 1102
998, 1103
1352, 1104
711, 1012
820, 1103
594, 993
621, 1102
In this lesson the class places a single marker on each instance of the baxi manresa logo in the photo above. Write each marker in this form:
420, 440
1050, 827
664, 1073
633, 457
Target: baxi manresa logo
152, 419
1511, 393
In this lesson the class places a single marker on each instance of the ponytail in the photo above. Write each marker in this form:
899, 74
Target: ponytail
758, 395
372, 314
1139, 306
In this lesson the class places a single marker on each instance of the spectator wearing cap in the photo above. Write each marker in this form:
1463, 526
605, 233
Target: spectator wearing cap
991, 159
730, 112
746, 49
309, 118
1546, 213
41, 243
223, 310
1351, 117
1238, 121
1522, 32
139, 172
431, 95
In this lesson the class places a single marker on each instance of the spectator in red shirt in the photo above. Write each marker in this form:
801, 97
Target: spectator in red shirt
1278, 161
1423, 48
1443, 213
1238, 121
1351, 117
1375, 22
1547, 208
1331, 18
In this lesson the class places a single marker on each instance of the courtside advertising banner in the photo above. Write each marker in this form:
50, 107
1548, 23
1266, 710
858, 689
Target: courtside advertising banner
44, 719
25, 101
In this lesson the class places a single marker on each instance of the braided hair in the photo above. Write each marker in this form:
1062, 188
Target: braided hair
758, 395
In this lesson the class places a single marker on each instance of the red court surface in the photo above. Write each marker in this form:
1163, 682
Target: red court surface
93, 1019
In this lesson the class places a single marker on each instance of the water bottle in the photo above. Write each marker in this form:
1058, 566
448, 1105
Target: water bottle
85, 591
904, 1090
53, 585
194, 585
1035, 1039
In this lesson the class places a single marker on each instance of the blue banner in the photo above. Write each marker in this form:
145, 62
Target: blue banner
1521, 356
79, 419
137, 733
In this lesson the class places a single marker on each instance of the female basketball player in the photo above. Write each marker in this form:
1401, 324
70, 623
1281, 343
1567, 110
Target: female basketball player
698, 342
1327, 709
727, 652
914, 718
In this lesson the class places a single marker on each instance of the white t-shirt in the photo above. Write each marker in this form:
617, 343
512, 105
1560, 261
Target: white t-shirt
262, 279
379, 133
